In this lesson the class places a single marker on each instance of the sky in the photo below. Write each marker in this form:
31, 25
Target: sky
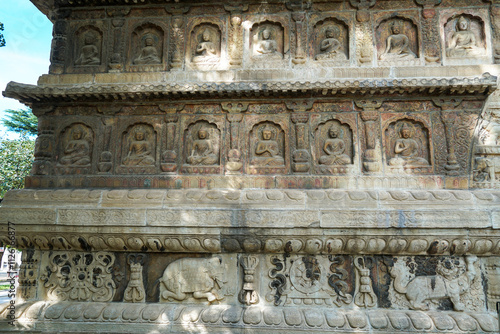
25, 57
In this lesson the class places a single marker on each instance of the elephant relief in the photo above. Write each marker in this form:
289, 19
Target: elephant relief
453, 278
199, 278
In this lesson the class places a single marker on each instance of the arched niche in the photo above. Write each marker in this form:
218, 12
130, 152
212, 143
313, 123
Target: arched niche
202, 144
146, 47
88, 46
267, 40
465, 36
330, 40
407, 145
75, 147
267, 145
397, 40
138, 146
205, 43
334, 144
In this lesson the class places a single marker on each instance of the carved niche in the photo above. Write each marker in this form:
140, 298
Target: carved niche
75, 149
397, 42
138, 149
267, 149
202, 147
331, 41
334, 147
88, 47
267, 41
147, 45
407, 147
465, 37
205, 44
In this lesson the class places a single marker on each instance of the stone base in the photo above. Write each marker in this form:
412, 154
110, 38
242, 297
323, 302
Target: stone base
70, 317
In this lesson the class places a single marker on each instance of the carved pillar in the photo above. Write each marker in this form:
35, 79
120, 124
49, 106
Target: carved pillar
117, 42
44, 147
301, 156
106, 159
28, 275
363, 32
236, 33
177, 35
370, 117
430, 31
59, 42
169, 156
248, 295
450, 119
234, 116
300, 55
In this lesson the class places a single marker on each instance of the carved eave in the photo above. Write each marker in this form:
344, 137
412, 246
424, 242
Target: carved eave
28, 94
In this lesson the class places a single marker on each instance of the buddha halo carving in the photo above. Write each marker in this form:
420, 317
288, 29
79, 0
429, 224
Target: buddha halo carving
397, 40
147, 45
464, 37
76, 146
267, 145
138, 146
332, 41
205, 43
267, 40
88, 46
202, 144
191, 277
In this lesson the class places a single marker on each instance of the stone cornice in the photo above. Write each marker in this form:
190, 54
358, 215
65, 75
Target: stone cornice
223, 220
476, 85
114, 317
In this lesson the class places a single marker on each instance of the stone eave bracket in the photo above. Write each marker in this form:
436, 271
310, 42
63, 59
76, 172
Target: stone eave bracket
28, 94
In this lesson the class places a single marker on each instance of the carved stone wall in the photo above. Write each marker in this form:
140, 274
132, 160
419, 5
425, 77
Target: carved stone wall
262, 166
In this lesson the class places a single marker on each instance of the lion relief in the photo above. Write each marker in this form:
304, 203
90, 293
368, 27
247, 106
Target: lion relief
453, 278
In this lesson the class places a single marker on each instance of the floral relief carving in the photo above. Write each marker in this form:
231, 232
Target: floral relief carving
71, 276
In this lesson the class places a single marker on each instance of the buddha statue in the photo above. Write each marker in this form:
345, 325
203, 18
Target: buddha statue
149, 53
267, 152
77, 150
89, 55
203, 151
407, 149
334, 148
206, 49
330, 47
463, 41
140, 152
398, 44
266, 45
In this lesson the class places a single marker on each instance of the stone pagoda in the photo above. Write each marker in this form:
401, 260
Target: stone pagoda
258, 166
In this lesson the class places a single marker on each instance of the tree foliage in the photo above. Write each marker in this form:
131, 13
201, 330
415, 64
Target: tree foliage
16, 158
2, 39
21, 121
